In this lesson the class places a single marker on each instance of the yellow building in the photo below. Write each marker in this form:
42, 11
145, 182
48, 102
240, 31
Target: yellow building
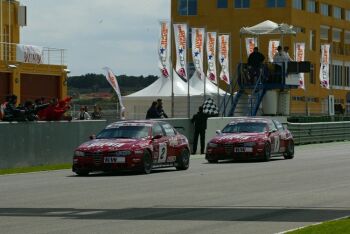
317, 22
29, 72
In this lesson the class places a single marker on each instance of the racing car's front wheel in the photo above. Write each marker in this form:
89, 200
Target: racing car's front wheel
289, 154
147, 162
183, 161
267, 152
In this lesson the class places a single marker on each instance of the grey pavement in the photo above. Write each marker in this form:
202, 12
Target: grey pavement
229, 197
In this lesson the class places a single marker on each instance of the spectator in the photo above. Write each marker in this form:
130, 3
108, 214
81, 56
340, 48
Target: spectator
11, 112
286, 53
152, 112
255, 61
3, 106
55, 110
96, 114
160, 109
83, 114
200, 125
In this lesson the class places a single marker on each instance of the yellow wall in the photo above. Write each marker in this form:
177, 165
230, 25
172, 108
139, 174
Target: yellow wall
24, 68
230, 20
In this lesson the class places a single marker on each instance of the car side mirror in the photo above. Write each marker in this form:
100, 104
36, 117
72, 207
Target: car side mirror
157, 137
218, 132
92, 137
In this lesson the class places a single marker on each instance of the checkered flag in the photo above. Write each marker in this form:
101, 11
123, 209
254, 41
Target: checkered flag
210, 108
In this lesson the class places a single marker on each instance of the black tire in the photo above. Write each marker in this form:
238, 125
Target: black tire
289, 154
147, 162
82, 172
183, 161
267, 152
213, 161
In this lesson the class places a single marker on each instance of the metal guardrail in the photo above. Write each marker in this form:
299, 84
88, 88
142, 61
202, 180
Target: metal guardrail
308, 133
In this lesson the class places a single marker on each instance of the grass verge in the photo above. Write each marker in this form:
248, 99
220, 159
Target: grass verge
337, 227
35, 169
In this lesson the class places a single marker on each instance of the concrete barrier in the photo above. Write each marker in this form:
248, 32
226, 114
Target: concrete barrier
43, 143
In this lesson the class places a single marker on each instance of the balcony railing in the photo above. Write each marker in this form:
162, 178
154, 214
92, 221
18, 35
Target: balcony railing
31, 54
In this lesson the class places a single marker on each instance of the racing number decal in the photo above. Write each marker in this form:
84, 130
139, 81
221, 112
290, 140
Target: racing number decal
162, 153
276, 143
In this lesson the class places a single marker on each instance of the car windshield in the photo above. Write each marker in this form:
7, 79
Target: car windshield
135, 132
240, 127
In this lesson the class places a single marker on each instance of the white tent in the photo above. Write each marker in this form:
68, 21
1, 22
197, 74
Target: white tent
138, 103
268, 27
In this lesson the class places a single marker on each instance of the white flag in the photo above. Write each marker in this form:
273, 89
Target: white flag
211, 56
273, 44
224, 41
163, 52
299, 55
324, 70
112, 80
180, 31
250, 43
197, 50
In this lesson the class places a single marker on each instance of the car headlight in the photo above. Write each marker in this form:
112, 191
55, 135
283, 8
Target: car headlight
122, 153
79, 153
249, 144
212, 145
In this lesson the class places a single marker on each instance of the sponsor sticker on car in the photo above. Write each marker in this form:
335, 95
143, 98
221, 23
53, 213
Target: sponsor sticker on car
114, 160
243, 149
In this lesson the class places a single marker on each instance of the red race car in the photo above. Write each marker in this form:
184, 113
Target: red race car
246, 138
133, 145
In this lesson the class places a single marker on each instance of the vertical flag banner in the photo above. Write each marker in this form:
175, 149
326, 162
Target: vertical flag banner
197, 50
112, 80
250, 43
324, 70
211, 56
299, 55
224, 57
180, 33
164, 48
273, 44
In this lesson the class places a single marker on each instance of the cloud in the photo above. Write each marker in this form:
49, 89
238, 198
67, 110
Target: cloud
121, 34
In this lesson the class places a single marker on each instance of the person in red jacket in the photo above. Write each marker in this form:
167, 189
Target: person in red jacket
55, 111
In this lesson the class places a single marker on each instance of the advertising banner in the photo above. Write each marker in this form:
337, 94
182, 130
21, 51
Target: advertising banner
180, 33
250, 43
197, 50
164, 49
211, 56
324, 70
224, 41
299, 54
273, 44
29, 54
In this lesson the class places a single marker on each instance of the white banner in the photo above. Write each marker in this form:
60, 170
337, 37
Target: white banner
211, 56
180, 31
164, 49
324, 70
29, 54
112, 80
224, 50
250, 43
197, 50
299, 56
273, 44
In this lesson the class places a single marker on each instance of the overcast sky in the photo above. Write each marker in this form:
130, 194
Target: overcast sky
96, 33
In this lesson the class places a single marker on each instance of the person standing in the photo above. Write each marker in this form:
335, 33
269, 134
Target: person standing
200, 125
160, 109
83, 114
97, 114
152, 112
255, 61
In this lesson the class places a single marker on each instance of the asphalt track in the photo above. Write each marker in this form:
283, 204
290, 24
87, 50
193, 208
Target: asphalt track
229, 197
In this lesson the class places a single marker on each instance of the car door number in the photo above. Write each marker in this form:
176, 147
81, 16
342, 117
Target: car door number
162, 153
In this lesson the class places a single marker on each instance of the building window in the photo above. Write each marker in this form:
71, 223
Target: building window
337, 12
187, 7
347, 76
222, 3
298, 4
276, 3
337, 73
324, 32
242, 3
347, 15
336, 35
324, 9
313, 40
311, 6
